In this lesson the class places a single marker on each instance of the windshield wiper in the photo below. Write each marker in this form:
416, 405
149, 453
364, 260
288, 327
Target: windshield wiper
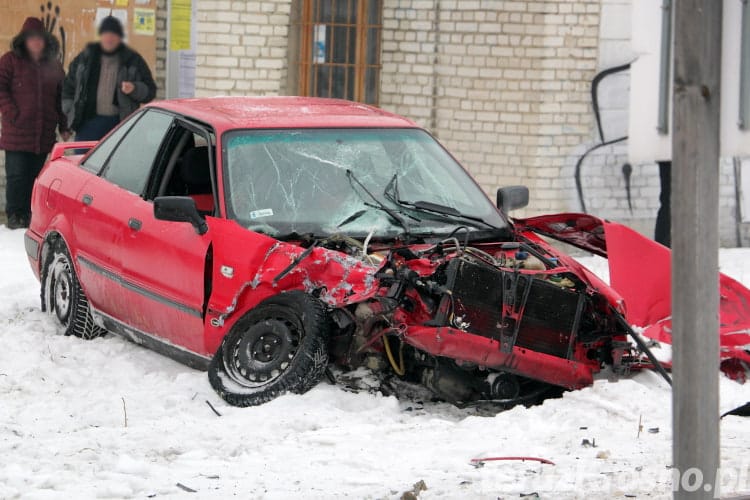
356, 215
428, 206
378, 204
391, 192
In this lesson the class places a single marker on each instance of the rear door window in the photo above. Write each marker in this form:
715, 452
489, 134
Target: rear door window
96, 160
130, 165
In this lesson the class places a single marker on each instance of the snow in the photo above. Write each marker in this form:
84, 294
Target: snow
63, 431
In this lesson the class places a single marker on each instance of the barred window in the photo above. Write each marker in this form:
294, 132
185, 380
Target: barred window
339, 49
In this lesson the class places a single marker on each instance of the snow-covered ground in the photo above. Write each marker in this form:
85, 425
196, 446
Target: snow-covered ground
64, 434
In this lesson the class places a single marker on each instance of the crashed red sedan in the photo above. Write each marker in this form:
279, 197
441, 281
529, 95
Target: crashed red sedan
265, 239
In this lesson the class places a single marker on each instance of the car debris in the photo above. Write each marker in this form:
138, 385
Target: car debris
479, 462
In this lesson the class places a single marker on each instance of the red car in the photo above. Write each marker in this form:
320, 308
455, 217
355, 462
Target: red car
263, 238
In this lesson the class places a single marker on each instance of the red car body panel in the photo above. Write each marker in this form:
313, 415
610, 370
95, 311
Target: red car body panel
457, 344
256, 261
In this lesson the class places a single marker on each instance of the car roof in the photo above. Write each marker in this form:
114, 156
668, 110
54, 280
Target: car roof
227, 113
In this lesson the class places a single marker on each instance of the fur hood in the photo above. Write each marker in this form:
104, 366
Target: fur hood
51, 46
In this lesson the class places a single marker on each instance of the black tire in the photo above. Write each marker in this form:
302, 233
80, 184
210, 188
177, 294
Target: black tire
279, 346
63, 296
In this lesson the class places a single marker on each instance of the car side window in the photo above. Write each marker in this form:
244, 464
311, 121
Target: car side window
187, 168
130, 165
96, 160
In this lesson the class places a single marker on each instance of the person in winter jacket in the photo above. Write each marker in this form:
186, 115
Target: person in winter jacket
106, 82
31, 79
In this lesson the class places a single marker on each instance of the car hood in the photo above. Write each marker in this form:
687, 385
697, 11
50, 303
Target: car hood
640, 271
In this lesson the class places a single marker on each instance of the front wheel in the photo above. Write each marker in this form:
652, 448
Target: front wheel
63, 296
279, 346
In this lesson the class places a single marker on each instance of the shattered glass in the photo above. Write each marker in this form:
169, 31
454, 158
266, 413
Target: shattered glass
317, 181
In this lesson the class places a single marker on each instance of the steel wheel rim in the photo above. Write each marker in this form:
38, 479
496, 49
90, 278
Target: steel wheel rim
259, 354
62, 290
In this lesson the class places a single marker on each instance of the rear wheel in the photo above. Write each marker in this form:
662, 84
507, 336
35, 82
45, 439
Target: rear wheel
63, 296
280, 346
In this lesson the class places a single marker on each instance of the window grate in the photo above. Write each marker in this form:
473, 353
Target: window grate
339, 49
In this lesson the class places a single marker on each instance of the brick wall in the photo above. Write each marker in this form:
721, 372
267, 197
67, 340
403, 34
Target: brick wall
503, 84
242, 47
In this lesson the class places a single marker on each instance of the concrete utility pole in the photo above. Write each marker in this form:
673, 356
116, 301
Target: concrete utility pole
695, 240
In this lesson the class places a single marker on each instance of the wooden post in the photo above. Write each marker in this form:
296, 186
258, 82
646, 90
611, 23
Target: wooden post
695, 241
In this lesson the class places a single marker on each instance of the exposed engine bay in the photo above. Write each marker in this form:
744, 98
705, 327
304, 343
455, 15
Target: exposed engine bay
502, 322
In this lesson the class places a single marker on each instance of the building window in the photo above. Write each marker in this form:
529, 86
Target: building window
339, 49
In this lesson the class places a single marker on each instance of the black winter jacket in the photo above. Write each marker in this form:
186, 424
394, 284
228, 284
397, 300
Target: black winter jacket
79, 88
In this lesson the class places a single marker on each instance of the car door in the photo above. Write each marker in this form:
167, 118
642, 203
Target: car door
164, 263
97, 226
106, 207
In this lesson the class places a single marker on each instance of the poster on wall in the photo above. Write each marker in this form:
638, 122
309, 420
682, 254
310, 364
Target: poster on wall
180, 19
144, 21
186, 84
181, 56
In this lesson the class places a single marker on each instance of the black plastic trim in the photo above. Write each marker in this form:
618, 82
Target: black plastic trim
139, 289
32, 246
177, 353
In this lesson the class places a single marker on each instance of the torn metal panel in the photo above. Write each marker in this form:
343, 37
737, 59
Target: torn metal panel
640, 271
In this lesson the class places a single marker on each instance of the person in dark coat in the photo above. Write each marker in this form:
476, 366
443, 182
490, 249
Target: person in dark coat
106, 82
31, 79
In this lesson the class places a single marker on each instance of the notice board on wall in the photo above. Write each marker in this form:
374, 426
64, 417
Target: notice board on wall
74, 23
181, 49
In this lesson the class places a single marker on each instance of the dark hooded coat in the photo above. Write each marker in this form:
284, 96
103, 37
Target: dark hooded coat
30, 97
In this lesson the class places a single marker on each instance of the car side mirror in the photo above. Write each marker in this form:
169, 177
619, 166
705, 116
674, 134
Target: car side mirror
179, 209
512, 198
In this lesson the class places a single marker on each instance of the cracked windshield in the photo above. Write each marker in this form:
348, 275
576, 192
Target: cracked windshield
384, 182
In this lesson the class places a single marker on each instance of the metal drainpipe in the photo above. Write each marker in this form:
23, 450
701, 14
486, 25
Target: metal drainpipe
436, 31
744, 111
664, 70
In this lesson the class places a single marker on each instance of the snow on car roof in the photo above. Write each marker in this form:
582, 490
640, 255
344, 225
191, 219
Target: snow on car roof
227, 113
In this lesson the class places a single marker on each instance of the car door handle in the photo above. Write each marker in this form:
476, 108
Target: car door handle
134, 224
87, 199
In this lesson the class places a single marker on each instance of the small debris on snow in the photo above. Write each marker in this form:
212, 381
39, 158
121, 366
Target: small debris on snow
413, 494
640, 426
124, 412
186, 488
212, 407
588, 444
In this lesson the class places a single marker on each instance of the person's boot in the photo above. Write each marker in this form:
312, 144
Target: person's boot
16, 221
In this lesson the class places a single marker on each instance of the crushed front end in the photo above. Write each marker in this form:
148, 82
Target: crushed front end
494, 321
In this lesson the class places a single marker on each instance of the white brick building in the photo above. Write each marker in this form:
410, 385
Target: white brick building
505, 85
